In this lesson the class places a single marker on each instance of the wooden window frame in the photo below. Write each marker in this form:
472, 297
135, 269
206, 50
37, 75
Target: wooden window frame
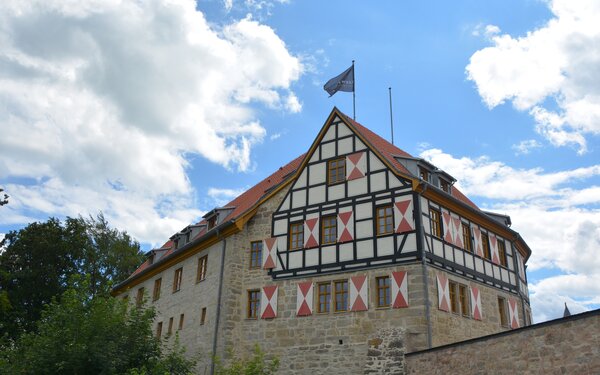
435, 222
381, 213
463, 298
156, 290
502, 312
256, 254
253, 307
385, 289
159, 327
327, 294
201, 270
180, 325
485, 245
454, 301
325, 227
334, 167
139, 297
467, 241
345, 295
445, 185
423, 174
299, 234
203, 316
502, 253
177, 278
170, 330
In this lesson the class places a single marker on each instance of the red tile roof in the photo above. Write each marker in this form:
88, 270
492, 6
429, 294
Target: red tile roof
248, 199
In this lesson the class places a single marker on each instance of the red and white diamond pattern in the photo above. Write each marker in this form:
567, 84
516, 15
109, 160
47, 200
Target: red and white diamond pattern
359, 293
311, 232
403, 214
356, 165
304, 299
345, 225
443, 293
447, 226
399, 289
457, 230
269, 255
477, 241
513, 313
268, 302
494, 248
475, 303
520, 265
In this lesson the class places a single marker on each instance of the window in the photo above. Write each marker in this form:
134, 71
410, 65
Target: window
336, 171
436, 226
324, 297
158, 330
502, 312
170, 331
212, 222
201, 273
459, 300
502, 253
383, 291
341, 295
177, 280
329, 232
180, 327
296, 236
423, 174
203, 316
485, 243
256, 254
139, 299
464, 300
253, 303
445, 186
385, 220
156, 291
466, 233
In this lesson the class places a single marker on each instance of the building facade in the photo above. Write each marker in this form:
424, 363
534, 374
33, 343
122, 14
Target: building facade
353, 238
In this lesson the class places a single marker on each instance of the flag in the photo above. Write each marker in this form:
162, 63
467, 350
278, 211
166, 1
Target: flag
343, 82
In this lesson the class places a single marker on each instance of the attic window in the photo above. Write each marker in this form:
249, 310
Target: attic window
212, 222
444, 185
424, 174
336, 171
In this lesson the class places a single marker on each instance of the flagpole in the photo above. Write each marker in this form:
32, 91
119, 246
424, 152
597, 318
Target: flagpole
391, 117
354, 93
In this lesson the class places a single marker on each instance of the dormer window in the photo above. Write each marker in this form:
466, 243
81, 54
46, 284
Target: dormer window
424, 174
212, 222
445, 186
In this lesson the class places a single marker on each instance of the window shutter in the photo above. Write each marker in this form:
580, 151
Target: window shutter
304, 299
457, 229
359, 293
403, 214
447, 224
269, 256
268, 302
345, 225
494, 248
399, 289
443, 293
513, 313
311, 233
477, 241
476, 303
356, 165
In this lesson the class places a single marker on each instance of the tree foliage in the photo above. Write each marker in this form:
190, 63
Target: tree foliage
257, 364
79, 334
39, 259
3, 198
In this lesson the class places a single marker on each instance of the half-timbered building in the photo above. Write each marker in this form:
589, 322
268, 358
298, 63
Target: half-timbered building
354, 237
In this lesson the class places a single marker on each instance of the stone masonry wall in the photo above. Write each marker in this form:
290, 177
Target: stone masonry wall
563, 346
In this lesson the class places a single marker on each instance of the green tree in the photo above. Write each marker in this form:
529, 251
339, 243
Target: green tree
79, 334
257, 364
38, 260
3, 200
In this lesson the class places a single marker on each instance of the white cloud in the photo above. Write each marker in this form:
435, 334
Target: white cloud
222, 196
551, 72
525, 147
100, 102
559, 221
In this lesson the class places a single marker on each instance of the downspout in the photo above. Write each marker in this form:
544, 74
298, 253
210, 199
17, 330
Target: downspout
219, 298
421, 245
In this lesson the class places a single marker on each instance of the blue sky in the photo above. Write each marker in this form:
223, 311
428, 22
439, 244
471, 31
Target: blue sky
155, 113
